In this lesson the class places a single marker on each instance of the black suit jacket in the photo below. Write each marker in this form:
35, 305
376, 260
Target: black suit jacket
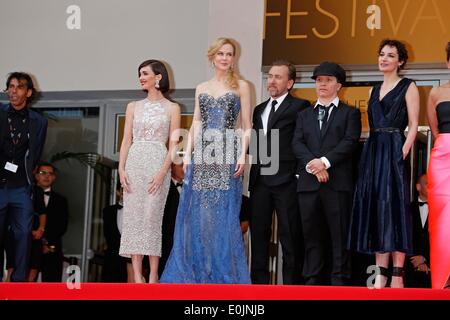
38, 132
110, 228
421, 239
284, 121
421, 246
57, 219
337, 143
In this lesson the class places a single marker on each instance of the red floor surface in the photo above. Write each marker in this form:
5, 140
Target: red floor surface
113, 291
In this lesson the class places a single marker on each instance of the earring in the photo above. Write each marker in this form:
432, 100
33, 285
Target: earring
157, 84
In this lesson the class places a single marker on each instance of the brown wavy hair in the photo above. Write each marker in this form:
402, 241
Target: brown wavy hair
231, 79
401, 50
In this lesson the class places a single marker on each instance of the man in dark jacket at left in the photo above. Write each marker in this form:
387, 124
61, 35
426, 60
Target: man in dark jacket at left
22, 138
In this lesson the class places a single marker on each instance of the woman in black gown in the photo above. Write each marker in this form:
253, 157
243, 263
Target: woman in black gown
381, 220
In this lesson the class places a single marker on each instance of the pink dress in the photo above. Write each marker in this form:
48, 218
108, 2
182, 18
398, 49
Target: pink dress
439, 200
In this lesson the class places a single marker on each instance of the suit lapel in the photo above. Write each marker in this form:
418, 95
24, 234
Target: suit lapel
281, 109
50, 200
3, 125
315, 122
33, 132
259, 124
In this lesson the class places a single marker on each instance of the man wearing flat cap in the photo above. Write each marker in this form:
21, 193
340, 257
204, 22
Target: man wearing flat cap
325, 138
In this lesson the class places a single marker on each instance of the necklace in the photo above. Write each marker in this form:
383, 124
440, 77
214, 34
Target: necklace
384, 92
393, 86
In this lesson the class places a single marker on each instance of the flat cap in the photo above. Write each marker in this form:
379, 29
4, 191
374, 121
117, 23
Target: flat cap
330, 69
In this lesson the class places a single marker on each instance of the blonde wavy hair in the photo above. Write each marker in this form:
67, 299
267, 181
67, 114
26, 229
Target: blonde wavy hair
231, 79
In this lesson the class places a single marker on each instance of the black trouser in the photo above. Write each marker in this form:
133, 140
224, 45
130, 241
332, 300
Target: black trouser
168, 225
52, 265
264, 200
16, 211
325, 220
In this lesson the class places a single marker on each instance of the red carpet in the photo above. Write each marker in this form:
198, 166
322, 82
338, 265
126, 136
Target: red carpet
113, 291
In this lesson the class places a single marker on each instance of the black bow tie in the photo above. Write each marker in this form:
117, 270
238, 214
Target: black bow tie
422, 203
119, 206
178, 184
47, 193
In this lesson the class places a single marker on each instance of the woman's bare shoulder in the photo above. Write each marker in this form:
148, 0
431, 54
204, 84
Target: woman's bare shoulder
202, 87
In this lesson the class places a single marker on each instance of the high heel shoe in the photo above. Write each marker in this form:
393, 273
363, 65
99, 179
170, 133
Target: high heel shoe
397, 272
153, 280
381, 277
141, 280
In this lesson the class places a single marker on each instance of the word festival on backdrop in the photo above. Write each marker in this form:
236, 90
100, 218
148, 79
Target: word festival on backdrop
427, 10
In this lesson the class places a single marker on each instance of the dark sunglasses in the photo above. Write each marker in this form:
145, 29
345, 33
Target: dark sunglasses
43, 173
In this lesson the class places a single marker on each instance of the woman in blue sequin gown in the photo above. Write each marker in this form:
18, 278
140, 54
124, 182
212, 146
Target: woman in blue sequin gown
208, 245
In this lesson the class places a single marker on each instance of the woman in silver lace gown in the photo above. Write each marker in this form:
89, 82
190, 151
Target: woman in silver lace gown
144, 168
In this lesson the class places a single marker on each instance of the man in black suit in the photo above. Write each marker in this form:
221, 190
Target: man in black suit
324, 141
272, 177
417, 269
22, 138
56, 210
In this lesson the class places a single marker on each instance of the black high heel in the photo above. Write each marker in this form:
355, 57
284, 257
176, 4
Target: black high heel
398, 272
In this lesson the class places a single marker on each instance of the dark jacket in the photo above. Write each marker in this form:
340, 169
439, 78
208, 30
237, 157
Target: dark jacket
337, 143
38, 132
284, 121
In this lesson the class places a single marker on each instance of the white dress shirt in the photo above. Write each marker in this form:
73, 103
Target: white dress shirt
266, 112
335, 103
423, 212
175, 182
47, 197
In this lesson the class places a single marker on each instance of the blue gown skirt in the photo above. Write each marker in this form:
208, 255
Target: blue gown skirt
208, 245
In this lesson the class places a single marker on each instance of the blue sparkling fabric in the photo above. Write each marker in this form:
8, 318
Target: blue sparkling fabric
208, 245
